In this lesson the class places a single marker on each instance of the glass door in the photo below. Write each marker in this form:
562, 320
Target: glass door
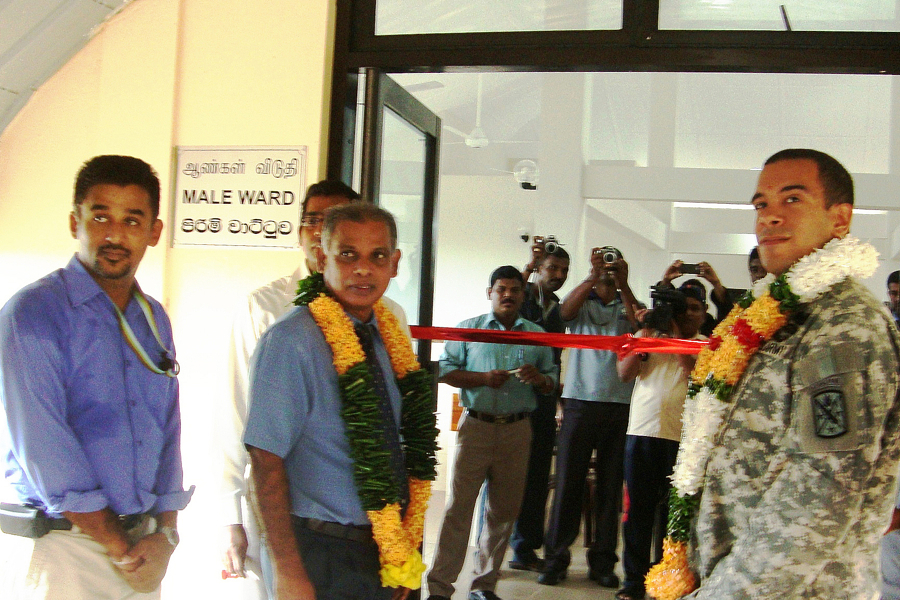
398, 171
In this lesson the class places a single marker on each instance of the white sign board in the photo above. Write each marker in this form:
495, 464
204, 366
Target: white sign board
238, 196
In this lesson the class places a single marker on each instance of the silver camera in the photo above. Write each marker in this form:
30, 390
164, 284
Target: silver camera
551, 244
609, 254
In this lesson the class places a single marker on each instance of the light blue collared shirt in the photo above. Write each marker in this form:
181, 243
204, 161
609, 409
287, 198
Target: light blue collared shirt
513, 396
295, 413
87, 425
591, 375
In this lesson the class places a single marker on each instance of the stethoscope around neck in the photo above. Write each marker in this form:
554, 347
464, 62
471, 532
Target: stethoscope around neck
168, 366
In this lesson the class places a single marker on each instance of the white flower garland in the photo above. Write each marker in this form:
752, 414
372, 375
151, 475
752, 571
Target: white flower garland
808, 278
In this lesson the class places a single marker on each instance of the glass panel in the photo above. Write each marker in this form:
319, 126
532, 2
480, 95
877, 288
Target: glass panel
766, 15
619, 120
402, 193
691, 120
730, 121
392, 17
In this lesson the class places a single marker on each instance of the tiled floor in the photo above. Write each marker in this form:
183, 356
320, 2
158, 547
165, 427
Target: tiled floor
519, 585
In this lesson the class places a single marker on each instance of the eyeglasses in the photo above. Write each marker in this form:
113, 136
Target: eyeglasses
311, 220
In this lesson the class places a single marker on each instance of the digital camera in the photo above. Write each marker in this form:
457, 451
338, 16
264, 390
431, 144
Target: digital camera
668, 303
550, 243
609, 254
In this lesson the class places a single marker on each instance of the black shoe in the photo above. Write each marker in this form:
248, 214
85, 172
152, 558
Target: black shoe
630, 593
552, 576
527, 563
608, 580
483, 595
436, 597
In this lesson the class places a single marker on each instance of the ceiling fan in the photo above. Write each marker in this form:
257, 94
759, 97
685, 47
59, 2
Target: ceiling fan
476, 138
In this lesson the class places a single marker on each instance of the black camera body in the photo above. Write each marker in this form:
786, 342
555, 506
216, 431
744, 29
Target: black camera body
668, 303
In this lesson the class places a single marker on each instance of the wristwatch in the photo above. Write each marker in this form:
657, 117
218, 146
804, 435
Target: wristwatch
171, 535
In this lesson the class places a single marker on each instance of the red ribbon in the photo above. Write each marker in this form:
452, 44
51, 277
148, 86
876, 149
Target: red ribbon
620, 344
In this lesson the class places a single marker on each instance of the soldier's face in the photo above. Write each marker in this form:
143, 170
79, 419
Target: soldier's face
792, 219
894, 295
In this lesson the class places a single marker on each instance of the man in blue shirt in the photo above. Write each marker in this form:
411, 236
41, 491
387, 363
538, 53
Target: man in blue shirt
320, 539
595, 417
498, 384
91, 441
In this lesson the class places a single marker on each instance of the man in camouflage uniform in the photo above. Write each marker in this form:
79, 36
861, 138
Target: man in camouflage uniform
800, 482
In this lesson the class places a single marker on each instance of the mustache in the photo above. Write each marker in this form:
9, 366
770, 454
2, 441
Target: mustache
114, 248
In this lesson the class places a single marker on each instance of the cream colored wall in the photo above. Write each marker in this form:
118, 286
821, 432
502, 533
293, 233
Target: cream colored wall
165, 73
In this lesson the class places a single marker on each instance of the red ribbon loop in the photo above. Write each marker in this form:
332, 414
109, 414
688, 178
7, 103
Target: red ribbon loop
620, 344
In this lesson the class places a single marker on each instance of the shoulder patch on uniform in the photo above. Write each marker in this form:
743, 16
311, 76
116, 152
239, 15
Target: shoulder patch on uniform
829, 413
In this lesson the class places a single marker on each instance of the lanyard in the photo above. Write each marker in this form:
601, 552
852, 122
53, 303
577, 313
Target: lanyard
168, 366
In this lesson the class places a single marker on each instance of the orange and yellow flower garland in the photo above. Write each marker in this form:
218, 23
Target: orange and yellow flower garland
719, 367
757, 317
398, 540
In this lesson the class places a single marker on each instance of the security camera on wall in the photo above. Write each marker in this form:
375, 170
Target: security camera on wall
523, 234
526, 173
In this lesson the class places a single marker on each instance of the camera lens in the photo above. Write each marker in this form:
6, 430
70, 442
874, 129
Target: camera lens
550, 247
609, 256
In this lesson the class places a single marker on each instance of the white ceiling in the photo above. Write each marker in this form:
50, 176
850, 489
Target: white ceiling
710, 120
649, 142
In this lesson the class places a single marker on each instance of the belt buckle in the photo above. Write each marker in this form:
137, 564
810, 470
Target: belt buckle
131, 521
503, 419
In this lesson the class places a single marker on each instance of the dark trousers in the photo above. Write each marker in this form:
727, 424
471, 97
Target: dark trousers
528, 531
340, 569
586, 427
648, 464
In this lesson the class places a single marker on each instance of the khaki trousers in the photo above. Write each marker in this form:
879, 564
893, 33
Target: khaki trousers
491, 455
62, 565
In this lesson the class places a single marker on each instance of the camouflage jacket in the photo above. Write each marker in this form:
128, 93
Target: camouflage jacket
800, 484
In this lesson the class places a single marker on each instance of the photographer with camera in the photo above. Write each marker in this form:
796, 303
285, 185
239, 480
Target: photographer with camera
654, 425
595, 417
550, 264
719, 293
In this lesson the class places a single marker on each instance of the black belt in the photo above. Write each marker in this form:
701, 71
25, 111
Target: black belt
355, 533
497, 419
127, 522
32, 522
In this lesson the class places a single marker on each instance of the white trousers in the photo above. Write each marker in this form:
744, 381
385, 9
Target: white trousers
62, 565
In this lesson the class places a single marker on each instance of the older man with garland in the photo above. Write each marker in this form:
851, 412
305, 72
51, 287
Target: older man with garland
253, 316
794, 437
498, 383
333, 387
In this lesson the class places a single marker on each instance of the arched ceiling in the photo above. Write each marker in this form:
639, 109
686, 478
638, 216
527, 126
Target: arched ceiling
37, 37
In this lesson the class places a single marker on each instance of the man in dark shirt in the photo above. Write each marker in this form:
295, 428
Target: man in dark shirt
719, 294
893, 303
541, 306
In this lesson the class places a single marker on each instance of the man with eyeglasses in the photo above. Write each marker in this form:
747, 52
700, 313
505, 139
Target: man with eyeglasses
263, 307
